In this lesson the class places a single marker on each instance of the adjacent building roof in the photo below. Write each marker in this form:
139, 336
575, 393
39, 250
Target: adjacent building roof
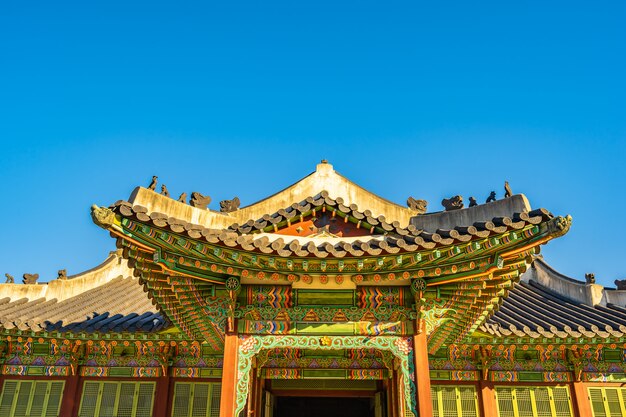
548, 304
105, 299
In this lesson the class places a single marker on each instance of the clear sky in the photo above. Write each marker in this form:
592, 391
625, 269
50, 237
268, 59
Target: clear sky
246, 98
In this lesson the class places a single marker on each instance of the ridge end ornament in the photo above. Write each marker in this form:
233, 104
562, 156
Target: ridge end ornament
559, 225
102, 216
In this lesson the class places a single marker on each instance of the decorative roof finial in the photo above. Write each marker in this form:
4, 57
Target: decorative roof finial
492, 197
164, 191
324, 161
182, 198
153, 183
472, 202
10, 279
102, 216
62, 274
590, 278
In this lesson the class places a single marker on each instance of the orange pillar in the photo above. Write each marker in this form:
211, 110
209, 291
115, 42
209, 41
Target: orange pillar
228, 402
422, 372
488, 404
581, 403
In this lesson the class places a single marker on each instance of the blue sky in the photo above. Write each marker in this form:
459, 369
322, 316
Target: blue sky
244, 99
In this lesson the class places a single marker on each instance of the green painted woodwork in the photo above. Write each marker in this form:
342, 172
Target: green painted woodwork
454, 401
519, 401
613, 355
196, 399
112, 398
31, 398
328, 298
530, 376
608, 402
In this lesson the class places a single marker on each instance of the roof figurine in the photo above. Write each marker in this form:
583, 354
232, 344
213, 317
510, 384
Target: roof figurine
30, 278
10, 279
452, 203
62, 274
620, 284
472, 202
507, 190
164, 191
590, 278
199, 201
153, 183
418, 206
491, 198
182, 198
228, 206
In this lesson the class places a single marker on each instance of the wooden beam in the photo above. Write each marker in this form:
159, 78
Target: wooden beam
228, 402
422, 371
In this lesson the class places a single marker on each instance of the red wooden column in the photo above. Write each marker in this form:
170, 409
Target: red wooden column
581, 403
161, 397
488, 399
229, 376
422, 371
70, 400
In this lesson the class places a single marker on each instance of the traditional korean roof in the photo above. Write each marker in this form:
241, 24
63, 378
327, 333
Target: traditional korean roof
106, 299
535, 310
461, 262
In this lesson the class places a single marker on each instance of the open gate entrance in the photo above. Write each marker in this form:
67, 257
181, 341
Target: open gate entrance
323, 407
324, 398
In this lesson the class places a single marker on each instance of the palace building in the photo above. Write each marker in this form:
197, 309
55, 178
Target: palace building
322, 299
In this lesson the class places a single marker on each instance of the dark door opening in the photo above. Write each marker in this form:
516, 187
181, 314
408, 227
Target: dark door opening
323, 407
